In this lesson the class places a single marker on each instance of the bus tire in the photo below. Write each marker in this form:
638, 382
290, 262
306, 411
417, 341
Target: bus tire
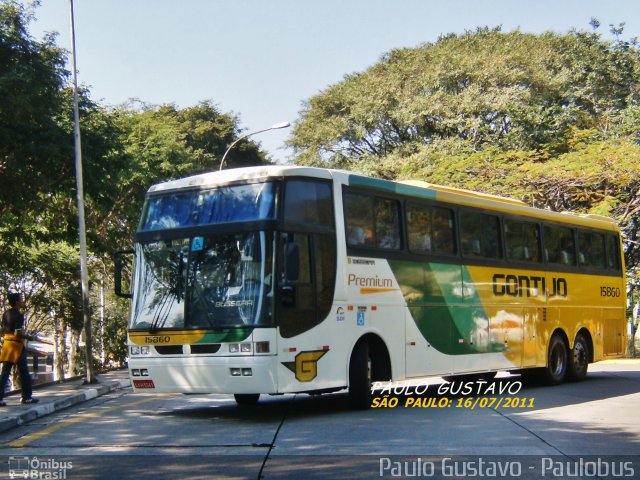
579, 358
557, 361
360, 377
246, 398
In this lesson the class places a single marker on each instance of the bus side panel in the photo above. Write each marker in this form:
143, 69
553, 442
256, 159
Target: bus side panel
430, 292
506, 302
591, 302
316, 359
614, 332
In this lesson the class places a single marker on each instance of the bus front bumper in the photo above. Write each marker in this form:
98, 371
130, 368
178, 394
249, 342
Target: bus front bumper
229, 375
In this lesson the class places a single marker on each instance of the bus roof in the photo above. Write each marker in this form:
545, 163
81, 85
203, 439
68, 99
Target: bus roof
409, 188
224, 177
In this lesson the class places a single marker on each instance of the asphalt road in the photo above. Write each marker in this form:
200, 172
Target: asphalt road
538, 432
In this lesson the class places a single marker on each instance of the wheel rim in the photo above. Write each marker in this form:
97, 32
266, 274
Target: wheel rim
579, 355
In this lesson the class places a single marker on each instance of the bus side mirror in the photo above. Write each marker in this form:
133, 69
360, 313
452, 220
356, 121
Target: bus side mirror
291, 262
117, 277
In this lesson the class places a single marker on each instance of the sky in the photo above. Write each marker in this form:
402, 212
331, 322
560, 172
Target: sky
262, 59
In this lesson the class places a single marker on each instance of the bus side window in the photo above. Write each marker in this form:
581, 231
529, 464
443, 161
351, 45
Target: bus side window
559, 245
480, 235
522, 241
387, 223
591, 249
443, 231
613, 252
359, 218
419, 228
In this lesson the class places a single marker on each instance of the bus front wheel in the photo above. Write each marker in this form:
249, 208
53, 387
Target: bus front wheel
557, 361
246, 398
360, 377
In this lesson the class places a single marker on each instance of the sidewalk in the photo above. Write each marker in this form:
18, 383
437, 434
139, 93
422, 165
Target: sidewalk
58, 396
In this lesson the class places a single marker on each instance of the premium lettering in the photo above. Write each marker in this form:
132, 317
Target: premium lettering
376, 281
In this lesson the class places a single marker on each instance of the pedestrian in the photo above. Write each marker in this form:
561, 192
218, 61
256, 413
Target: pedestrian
13, 349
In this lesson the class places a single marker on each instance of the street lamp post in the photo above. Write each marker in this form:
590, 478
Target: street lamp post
272, 127
84, 276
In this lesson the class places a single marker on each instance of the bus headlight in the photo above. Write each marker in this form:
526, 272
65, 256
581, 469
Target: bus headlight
240, 348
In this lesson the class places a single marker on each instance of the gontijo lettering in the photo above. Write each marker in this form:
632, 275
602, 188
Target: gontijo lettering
528, 286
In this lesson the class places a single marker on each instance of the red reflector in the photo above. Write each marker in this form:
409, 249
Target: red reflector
350, 307
292, 349
143, 384
373, 307
413, 344
325, 347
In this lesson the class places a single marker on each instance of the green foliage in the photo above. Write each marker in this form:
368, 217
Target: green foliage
31, 78
511, 91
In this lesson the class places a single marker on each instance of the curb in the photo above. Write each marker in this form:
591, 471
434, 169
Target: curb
38, 411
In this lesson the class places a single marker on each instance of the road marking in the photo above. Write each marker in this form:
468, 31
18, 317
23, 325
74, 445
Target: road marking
27, 439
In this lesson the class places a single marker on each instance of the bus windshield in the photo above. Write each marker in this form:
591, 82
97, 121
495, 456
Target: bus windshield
203, 282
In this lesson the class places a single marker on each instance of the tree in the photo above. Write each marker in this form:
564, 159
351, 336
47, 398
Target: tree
511, 91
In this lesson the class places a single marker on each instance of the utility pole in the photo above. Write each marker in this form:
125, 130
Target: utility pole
84, 275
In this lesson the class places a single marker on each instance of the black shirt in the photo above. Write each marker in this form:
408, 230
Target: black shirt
12, 320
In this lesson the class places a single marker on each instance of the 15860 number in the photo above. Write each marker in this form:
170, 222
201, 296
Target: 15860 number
610, 292
163, 339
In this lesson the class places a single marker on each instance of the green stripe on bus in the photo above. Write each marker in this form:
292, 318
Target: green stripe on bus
230, 335
391, 187
446, 316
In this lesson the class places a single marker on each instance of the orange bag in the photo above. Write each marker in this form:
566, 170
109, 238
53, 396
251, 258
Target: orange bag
11, 348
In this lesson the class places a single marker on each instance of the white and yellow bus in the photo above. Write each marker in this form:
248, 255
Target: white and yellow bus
273, 280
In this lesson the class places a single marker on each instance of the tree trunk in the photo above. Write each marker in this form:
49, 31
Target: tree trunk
74, 339
59, 347
635, 319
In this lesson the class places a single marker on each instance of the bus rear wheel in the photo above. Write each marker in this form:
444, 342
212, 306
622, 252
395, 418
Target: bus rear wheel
579, 358
360, 377
246, 398
557, 361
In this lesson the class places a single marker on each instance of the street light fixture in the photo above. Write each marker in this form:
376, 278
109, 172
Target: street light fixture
272, 127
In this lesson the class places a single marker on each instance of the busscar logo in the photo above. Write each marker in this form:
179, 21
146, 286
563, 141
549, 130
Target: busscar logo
305, 365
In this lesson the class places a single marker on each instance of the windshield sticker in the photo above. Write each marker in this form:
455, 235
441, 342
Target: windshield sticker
197, 244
